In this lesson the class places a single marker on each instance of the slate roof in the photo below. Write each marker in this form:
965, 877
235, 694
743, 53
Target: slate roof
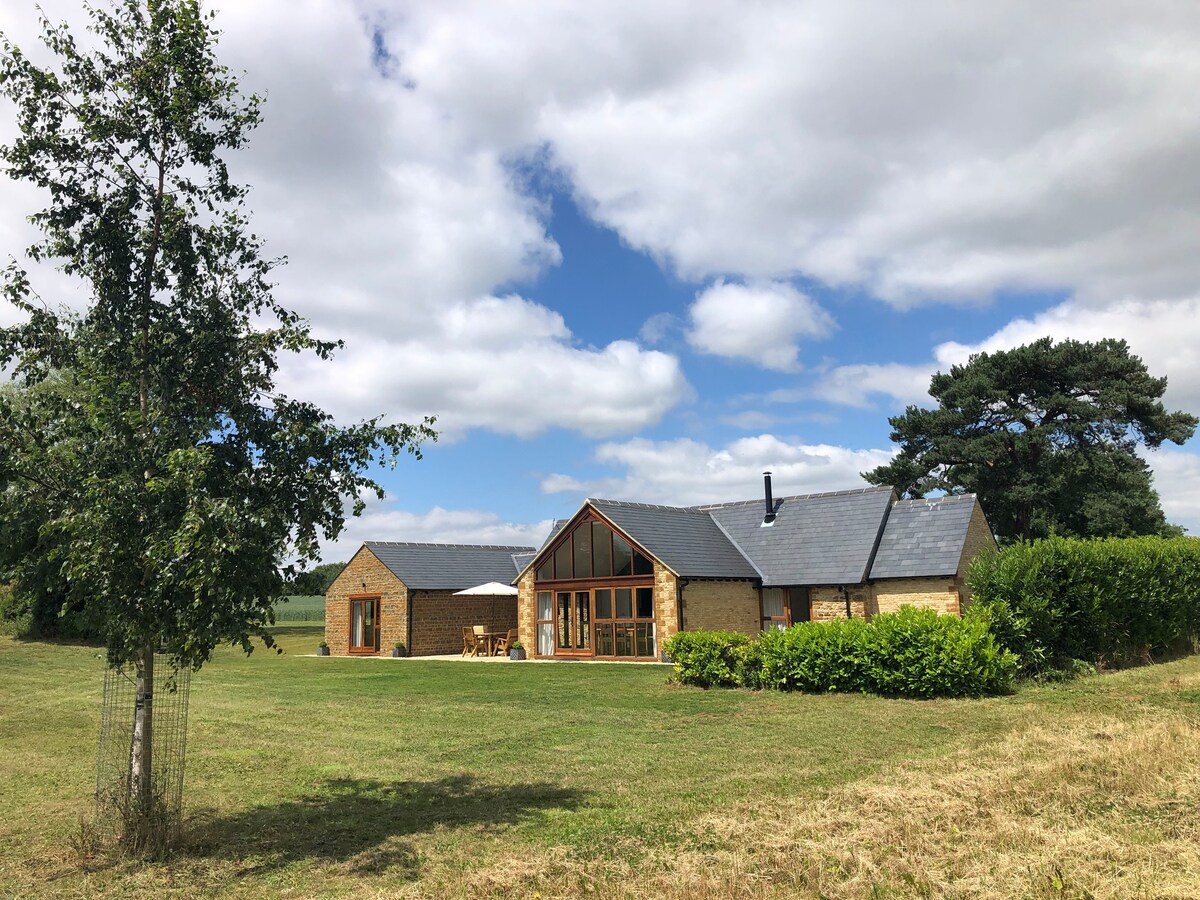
453, 567
816, 538
685, 539
555, 528
521, 560
924, 537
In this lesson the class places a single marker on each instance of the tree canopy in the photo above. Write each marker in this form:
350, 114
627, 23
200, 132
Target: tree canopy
165, 484
1046, 435
317, 580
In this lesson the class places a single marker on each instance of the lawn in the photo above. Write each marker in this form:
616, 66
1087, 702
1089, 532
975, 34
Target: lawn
378, 777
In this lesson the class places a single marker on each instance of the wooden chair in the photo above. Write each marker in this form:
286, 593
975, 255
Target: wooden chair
505, 642
482, 644
469, 642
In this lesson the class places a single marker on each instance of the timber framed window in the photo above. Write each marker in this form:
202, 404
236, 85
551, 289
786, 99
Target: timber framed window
545, 624
625, 621
774, 609
783, 607
595, 595
593, 550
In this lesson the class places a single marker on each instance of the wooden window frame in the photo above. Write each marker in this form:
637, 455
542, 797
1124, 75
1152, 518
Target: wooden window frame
567, 535
763, 619
539, 622
373, 649
633, 621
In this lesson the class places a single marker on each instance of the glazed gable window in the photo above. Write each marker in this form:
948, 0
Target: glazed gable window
593, 550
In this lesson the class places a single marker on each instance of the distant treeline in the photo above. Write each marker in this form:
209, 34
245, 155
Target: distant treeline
46, 613
316, 581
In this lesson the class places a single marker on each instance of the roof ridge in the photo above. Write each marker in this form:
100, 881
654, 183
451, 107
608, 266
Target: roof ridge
633, 504
517, 548
842, 493
945, 498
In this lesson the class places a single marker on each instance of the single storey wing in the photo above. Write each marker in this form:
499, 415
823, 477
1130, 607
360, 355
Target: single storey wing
403, 592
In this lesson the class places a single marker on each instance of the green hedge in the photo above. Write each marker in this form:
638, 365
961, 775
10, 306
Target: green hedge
910, 653
1104, 601
707, 658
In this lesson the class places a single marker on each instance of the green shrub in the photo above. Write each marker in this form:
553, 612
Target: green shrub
707, 658
816, 656
1103, 601
16, 613
918, 653
911, 653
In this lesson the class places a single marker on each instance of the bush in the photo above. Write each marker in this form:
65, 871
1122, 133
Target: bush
911, 653
1102, 601
918, 653
708, 658
816, 657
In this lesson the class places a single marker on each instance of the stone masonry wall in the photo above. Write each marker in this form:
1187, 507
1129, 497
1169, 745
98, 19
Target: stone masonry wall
439, 618
666, 605
722, 606
827, 602
365, 568
979, 538
940, 594
527, 613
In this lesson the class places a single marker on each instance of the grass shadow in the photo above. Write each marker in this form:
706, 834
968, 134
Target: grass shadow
355, 822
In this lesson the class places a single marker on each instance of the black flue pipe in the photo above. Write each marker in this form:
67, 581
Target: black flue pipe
770, 516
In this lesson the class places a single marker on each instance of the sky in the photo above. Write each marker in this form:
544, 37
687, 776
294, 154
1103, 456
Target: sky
647, 251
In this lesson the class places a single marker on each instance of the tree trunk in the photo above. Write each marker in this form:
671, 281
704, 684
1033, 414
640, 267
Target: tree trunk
141, 753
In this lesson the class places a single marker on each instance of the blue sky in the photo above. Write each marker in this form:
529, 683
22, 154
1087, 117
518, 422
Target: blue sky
645, 251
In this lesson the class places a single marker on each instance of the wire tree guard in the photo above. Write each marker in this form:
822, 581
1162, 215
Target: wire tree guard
152, 820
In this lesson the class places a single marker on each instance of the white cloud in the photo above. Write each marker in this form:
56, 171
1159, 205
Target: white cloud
1177, 480
400, 215
854, 385
686, 472
925, 149
383, 522
1165, 334
501, 363
760, 322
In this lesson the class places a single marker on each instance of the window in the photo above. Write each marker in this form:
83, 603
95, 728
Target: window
625, 621
615, 615
545, 628
799, 609
601, 549
774, 609
593, 550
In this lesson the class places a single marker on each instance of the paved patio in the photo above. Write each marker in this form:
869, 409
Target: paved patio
455, 657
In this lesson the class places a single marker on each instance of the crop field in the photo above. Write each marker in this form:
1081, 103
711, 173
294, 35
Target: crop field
370, 778
301, 608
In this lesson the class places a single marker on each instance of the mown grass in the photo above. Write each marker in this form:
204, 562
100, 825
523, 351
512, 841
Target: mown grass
333, 777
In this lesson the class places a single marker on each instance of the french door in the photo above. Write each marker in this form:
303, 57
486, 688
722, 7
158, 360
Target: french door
364, 625
573, 623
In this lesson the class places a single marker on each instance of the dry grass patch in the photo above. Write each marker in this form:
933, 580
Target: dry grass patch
1086, 809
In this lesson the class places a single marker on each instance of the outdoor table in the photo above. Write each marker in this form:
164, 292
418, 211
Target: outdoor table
490, 637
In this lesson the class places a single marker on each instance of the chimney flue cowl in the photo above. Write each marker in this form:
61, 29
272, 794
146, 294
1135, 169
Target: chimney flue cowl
770, 514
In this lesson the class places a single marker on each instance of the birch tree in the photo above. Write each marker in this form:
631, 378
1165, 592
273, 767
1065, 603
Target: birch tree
173, 478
